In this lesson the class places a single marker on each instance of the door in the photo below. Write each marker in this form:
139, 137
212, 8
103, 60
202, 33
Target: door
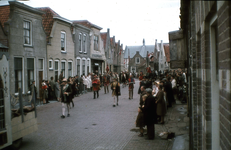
40, 84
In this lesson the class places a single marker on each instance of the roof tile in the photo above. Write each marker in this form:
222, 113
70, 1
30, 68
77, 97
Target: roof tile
48, 19
4, 14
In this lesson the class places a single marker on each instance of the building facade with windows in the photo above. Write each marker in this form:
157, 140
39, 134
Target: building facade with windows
81, 34
60, 44
96, 62
27, 45
108, 49
206, 34
138, 55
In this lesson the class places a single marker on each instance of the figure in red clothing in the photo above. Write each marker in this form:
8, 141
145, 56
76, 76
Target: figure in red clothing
149, 71
141, 76
96, 86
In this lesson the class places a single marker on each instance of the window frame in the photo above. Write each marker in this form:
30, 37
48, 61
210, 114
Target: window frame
50, 68
80, 43
83, 66
57, 69
28, 80
96, 42
78, 72
85, 43
65, 41
30, 34
22, 76
64, 72
70, 69
137, 58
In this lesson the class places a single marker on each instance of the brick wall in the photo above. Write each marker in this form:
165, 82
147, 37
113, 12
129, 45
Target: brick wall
224, 56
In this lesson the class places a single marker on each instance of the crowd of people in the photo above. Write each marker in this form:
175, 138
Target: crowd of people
158, 91
157, 94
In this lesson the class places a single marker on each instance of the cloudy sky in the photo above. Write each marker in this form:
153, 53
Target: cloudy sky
129, 20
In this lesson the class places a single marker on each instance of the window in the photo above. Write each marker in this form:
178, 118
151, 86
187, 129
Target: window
56, 69
30, 71
84, 43
63, 41
83, 64
78, 67
137, 60
40, 64
88, 65
80, 42
96, 40
27, 32
63, 68
18, 73
2, 107
50, 64
69, 69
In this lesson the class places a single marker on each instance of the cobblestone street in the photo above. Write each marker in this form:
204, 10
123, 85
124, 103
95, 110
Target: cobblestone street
93, 125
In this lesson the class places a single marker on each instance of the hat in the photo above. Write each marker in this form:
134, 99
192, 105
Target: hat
148, 90
64, 80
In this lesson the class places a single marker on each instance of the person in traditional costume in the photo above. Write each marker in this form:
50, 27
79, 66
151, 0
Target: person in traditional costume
106, 81
131, 82
115, 87
66, 97
96, 86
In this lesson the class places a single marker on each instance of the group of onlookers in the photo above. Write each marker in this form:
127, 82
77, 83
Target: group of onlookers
156, 95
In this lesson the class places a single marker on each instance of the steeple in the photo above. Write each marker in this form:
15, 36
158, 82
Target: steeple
143, 42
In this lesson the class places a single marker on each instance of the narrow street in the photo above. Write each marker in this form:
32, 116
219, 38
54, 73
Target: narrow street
94, 125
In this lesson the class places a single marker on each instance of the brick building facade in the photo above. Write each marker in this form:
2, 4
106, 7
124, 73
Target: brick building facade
206, 28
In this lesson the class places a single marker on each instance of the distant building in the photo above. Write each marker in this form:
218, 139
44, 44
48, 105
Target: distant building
108, 49
139, 54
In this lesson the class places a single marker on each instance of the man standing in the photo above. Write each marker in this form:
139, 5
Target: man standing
96, 86
149, 109
52, 84
131, 82
106, 81
66, 98
61, 77
33, 93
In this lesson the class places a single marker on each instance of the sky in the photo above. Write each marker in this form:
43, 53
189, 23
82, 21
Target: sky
128, 20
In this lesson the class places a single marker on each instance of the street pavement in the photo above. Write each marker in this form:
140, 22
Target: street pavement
95, 125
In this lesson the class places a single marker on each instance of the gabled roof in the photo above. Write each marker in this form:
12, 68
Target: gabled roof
86, 23
167, 52
48, 19
104, 38
4, 14
141, 49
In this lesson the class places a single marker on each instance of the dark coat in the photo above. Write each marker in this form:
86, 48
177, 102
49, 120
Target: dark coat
169, 93
140, 116
149, 110
142, 83
161, 105
68, 97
